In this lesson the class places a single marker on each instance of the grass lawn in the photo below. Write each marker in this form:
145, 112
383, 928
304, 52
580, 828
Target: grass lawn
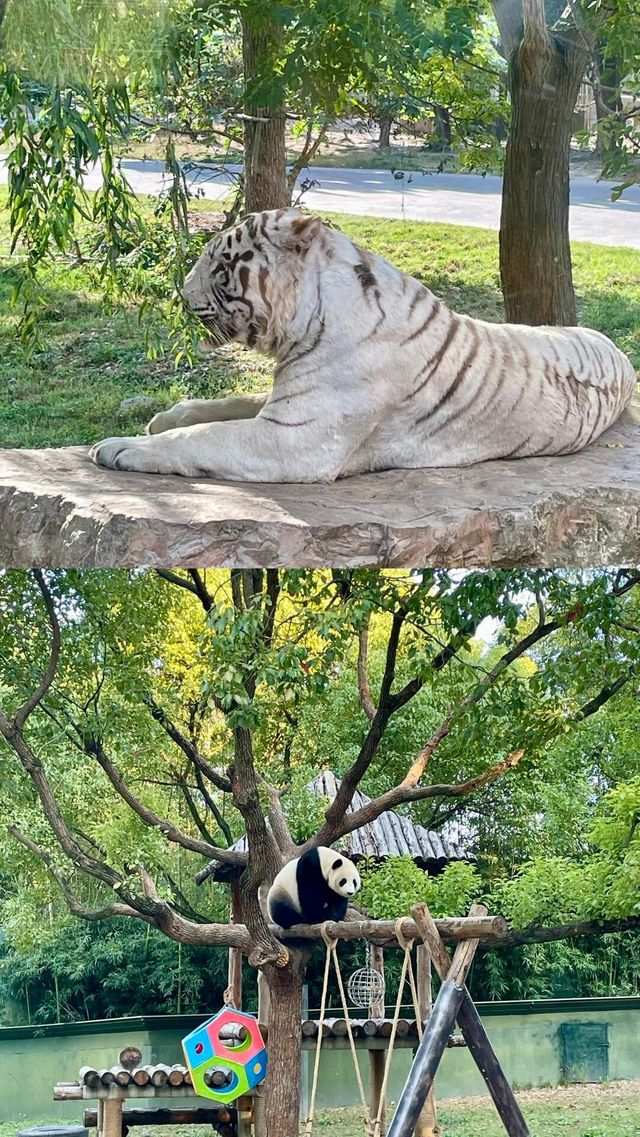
610, 1110
93, 357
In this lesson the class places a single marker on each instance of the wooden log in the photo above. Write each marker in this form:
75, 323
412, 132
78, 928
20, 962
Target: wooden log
159, 1074
475, 1035
233, 993
140, 1076
376, 1073
310, 1028
428, 1120
176, 1075
385, 1028
427, 1059
369, 1027
67, 1092
213, 1115
122, 1077
376, 963
89, 1076
130, 1057
233, 1032
339, 1029
107, 1077
111, 1124
490, 930
218, 1076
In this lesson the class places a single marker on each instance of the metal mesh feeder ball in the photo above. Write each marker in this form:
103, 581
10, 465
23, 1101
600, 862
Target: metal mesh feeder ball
365, 987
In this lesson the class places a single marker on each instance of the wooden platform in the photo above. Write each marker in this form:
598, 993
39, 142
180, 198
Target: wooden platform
57, 509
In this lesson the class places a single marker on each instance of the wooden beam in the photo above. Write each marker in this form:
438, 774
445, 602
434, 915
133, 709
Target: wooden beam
434, 1040
427, 1125
164, 1116
491, 931
233, 993
474, 1033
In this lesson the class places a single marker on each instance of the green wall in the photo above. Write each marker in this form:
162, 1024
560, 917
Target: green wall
525, 1036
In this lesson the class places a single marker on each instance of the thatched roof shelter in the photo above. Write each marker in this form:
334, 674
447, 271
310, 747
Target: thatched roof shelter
390, 835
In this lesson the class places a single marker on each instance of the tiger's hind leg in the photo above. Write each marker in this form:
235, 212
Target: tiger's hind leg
189, 412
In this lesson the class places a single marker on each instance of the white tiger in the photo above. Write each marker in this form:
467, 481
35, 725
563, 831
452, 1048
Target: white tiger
372, 370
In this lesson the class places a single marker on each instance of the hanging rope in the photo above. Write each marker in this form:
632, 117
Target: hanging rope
373, 1126
407, 969
332, 954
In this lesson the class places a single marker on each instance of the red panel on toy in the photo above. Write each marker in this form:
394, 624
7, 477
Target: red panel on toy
240, 1051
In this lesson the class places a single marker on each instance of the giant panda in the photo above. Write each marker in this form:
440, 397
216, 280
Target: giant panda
313, 888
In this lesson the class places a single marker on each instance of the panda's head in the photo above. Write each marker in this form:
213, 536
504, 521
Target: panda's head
340, 873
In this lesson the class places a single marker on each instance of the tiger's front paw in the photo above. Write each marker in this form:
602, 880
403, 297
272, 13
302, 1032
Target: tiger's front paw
176, 416
131, 454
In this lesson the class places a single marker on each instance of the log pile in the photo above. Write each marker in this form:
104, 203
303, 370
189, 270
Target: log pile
366, 1029
158, 1075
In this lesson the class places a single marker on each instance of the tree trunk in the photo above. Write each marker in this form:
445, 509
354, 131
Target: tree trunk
386, 123
282, 1086
443, 125
265, 158
535, 256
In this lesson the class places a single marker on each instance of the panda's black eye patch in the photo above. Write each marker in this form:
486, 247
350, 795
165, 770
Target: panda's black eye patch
343, 881
336, 864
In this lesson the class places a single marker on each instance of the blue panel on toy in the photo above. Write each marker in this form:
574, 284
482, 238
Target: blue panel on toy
257, 1069
197, 1047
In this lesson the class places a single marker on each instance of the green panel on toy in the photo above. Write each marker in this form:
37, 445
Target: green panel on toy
226, 1056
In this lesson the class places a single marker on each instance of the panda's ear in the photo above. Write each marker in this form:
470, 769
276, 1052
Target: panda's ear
336, 864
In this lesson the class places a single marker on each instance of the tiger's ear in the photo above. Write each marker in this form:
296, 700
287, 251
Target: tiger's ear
302, 231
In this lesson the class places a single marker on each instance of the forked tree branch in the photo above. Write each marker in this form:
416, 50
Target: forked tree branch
74, 905
186, 745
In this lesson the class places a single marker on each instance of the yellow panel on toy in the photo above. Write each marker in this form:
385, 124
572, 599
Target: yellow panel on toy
226, 1056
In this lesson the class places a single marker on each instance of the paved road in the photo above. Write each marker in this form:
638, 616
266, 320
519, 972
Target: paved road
463, 199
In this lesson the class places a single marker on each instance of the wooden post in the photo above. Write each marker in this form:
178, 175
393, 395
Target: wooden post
264, 1013
304, 1061
377, 1057
428, 1121
474, 1033
233, 993
434, 1043
427, 1059
112, 1117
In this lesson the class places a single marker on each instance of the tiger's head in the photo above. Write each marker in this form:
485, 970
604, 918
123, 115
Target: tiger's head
245, 285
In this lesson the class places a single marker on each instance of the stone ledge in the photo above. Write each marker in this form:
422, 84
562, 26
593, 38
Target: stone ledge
59, 510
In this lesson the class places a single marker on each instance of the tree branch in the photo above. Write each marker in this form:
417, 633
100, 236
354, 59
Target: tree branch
366, 701
94, 748
36, 697
71, 900
222, 824
186, 745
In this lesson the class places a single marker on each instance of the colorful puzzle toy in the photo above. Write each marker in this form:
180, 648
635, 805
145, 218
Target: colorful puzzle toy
226, 1055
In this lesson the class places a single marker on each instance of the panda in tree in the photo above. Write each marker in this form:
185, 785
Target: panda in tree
312, 888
